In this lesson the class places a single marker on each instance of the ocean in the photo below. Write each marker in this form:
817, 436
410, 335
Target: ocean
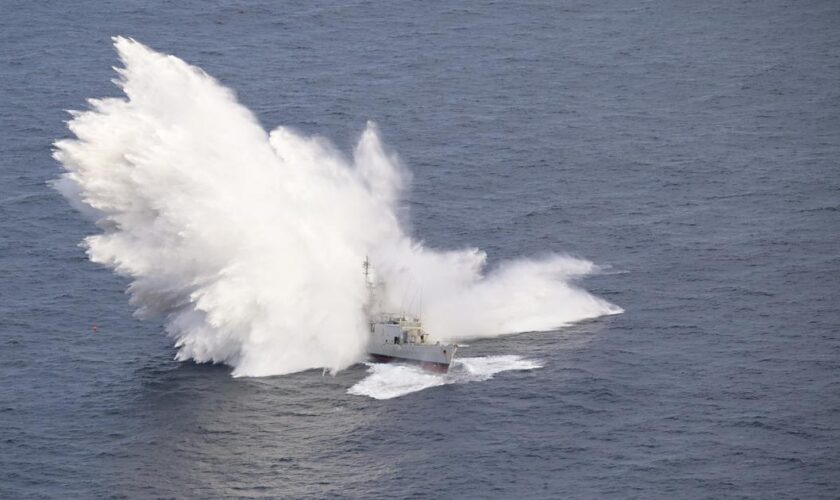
684, 154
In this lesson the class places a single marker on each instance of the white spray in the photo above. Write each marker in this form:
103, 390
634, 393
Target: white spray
251, 243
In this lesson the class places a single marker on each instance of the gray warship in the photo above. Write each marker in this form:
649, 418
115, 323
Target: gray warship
401, 338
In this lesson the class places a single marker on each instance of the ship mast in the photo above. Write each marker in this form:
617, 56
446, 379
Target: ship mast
369, 306
366, 266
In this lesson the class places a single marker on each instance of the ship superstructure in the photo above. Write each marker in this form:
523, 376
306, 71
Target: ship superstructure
400, 337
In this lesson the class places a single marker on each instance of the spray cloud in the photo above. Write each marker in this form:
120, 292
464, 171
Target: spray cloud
251, 243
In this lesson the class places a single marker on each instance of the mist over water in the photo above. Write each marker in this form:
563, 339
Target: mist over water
250, 243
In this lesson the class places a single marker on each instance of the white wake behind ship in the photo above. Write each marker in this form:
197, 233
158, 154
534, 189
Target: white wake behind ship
401, 338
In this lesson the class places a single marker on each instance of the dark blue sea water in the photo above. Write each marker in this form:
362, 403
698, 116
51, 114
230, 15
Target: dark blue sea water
694, 147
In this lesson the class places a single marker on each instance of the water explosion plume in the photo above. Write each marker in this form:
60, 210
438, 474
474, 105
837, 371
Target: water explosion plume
251, 243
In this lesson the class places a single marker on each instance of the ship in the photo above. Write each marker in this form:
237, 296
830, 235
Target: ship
401, 337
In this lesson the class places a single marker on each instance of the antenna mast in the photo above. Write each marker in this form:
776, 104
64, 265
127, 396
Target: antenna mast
371, 302
366, 265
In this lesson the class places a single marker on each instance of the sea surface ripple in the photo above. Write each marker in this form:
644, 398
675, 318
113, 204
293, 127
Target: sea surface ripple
689, 148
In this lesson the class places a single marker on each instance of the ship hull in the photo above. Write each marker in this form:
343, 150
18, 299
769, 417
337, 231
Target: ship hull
402, 340
437, 367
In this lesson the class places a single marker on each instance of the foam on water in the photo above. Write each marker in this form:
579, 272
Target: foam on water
386, 381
